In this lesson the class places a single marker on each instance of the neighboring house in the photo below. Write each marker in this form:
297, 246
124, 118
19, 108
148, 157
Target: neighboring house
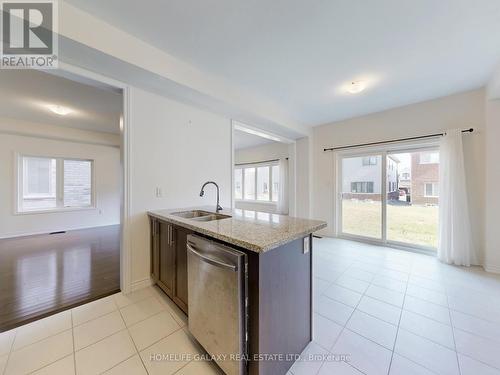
425, 177
362, 177
405, 179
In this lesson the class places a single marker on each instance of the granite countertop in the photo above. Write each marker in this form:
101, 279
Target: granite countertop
251, 230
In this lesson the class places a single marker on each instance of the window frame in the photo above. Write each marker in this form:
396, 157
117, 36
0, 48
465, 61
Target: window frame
435, 190
367, 161
364, 187
19, 185
421, 160
244, 166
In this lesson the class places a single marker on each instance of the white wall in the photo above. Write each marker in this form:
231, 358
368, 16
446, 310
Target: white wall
176, 147
107, 178
304, 159
457, 111
268, 151
493, 87
492, 210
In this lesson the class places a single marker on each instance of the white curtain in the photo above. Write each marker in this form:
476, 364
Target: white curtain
283, 192
455, 238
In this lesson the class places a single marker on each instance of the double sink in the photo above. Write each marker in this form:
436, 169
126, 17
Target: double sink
200, 215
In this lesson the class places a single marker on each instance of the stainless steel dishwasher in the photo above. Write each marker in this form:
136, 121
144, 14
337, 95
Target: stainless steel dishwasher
217, 295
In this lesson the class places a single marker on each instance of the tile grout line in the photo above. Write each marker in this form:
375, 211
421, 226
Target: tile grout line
72, 327
453, 335
103, 338
165, 309
426, 317
401, 308
51, 363
480, 361
418, 364
413, 333
347, 322
10, 351
345, 326
398, 328
392, 354
131, 339
140, 321
73, 335
451, 323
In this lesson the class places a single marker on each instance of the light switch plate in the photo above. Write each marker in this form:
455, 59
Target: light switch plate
307, 245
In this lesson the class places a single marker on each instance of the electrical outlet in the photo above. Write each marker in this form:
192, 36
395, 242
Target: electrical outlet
307, 244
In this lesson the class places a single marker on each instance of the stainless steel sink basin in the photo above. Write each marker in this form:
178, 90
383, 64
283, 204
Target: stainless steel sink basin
191, 214
211, 217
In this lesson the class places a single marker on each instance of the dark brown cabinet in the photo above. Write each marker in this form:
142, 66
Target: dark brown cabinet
155, 250
169, 260
181, 276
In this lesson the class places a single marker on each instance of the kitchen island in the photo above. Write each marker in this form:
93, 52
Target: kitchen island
278, 276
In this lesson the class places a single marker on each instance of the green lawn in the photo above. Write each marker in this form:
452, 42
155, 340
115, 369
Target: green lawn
413, 224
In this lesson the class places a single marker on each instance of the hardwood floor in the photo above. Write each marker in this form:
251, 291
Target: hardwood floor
44, 274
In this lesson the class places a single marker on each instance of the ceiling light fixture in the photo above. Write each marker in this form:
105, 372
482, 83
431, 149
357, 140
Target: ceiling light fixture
355, 87
59, 109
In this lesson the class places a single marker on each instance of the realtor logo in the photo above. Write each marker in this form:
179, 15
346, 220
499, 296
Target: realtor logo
29, 34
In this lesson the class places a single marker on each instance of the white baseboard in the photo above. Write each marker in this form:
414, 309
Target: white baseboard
492, 268
140, 284
28, 234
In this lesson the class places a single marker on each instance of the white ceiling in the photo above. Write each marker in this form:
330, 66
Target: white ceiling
25, 94
299, 53
245, 140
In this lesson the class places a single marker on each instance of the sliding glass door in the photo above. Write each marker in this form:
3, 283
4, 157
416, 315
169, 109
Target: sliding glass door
413, 198
390, 197
361, 196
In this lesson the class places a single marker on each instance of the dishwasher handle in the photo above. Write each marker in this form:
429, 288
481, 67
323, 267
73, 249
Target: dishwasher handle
212, 261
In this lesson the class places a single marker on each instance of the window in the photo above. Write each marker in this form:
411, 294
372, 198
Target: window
249, 183
362, 187
430, 157
431, 190
276, 182
263, 184
238, 183
369, 160
53, 183
392, 186
77, 183
257, 182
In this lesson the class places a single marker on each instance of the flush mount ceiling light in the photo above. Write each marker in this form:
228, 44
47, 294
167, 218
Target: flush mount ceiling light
355, 87
59, 109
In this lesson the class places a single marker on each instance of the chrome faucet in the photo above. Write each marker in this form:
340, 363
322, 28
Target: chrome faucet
202, 192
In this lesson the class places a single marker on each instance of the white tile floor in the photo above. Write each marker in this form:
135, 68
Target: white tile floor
114, 335
396, 312
388, 311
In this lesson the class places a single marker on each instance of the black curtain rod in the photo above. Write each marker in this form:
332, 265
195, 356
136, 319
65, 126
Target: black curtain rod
259, 162
393, 140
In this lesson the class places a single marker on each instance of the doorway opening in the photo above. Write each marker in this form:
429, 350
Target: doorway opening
263, 171
62, 157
